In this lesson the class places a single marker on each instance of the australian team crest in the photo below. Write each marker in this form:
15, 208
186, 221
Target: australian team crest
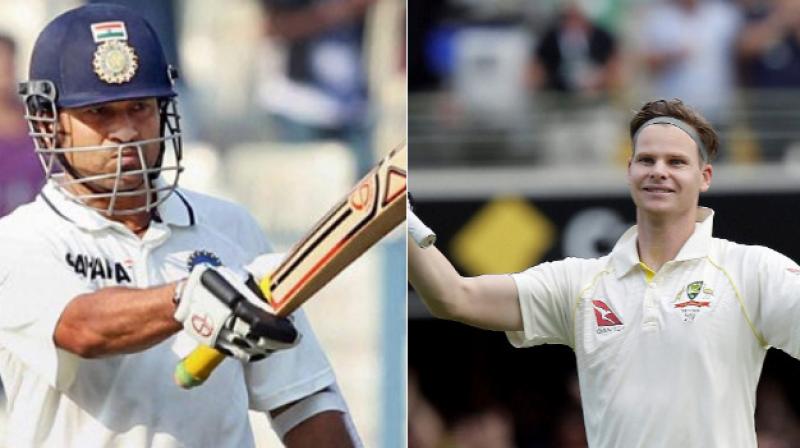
199, 257
115, 62
695, 298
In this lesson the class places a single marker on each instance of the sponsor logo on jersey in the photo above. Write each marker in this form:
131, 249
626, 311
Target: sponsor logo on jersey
202, 257
607, 320
94, 268
695, 298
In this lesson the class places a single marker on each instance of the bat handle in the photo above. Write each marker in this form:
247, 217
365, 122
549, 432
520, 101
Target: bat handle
195, 369
419, 232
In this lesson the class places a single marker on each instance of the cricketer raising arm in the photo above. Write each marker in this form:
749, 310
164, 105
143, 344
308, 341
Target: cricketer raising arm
670, 329
103, 277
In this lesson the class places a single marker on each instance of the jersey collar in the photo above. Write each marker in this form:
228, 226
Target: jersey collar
175, 210
625, 255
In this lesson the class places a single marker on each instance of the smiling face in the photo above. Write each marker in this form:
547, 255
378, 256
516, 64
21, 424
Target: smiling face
111, 124
666, 174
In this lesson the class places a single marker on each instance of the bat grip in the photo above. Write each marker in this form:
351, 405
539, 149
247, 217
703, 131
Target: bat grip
419, 232
195, 369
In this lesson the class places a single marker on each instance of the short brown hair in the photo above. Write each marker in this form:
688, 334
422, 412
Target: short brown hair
676, 109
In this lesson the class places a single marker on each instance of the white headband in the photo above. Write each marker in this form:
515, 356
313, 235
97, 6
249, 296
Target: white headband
680, 124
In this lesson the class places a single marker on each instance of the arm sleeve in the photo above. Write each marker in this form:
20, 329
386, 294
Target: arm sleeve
778, 306
34, 291
289, 375
328, 399
546, 300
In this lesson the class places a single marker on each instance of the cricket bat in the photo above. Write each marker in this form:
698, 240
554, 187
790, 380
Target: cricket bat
375, 206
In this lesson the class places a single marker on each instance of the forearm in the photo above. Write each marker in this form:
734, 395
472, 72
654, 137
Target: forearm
487, 301
435, 280
117, 320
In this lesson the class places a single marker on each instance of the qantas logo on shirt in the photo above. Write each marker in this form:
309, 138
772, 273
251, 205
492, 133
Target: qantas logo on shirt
607, 319
94, 268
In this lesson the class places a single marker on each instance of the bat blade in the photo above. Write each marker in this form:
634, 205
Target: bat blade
374, 207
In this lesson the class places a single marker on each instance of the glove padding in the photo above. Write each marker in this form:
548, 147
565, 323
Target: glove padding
264, 265
217, 309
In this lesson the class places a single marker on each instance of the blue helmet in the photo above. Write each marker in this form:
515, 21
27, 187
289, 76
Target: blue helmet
77, 52
95, 54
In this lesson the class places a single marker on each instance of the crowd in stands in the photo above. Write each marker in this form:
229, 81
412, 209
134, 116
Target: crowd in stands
589, 64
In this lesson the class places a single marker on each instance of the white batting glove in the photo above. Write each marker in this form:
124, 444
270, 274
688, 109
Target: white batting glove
217, 309
264, 265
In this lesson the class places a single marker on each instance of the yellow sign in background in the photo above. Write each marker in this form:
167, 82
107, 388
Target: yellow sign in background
508, 234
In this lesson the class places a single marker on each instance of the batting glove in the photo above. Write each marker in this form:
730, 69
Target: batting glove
218, 309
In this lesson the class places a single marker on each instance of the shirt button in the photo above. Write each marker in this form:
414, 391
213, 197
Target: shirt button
651, 285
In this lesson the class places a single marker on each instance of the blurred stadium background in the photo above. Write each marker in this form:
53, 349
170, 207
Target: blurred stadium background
238, 69
518, 115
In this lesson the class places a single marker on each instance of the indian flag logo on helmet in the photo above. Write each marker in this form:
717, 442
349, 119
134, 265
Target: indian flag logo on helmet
104, 31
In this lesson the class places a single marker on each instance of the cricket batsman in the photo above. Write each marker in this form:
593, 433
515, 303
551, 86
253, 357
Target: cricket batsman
670, 329
114, 273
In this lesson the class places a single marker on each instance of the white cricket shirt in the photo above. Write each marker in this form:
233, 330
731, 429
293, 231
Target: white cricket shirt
53, 250
674, 362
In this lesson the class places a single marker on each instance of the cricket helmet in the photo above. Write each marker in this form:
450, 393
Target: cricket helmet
95, 54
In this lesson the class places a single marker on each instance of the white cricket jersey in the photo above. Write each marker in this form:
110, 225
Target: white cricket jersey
674, 362
54, 250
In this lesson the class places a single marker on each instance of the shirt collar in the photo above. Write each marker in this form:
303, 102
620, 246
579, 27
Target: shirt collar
175, 210
625, 255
